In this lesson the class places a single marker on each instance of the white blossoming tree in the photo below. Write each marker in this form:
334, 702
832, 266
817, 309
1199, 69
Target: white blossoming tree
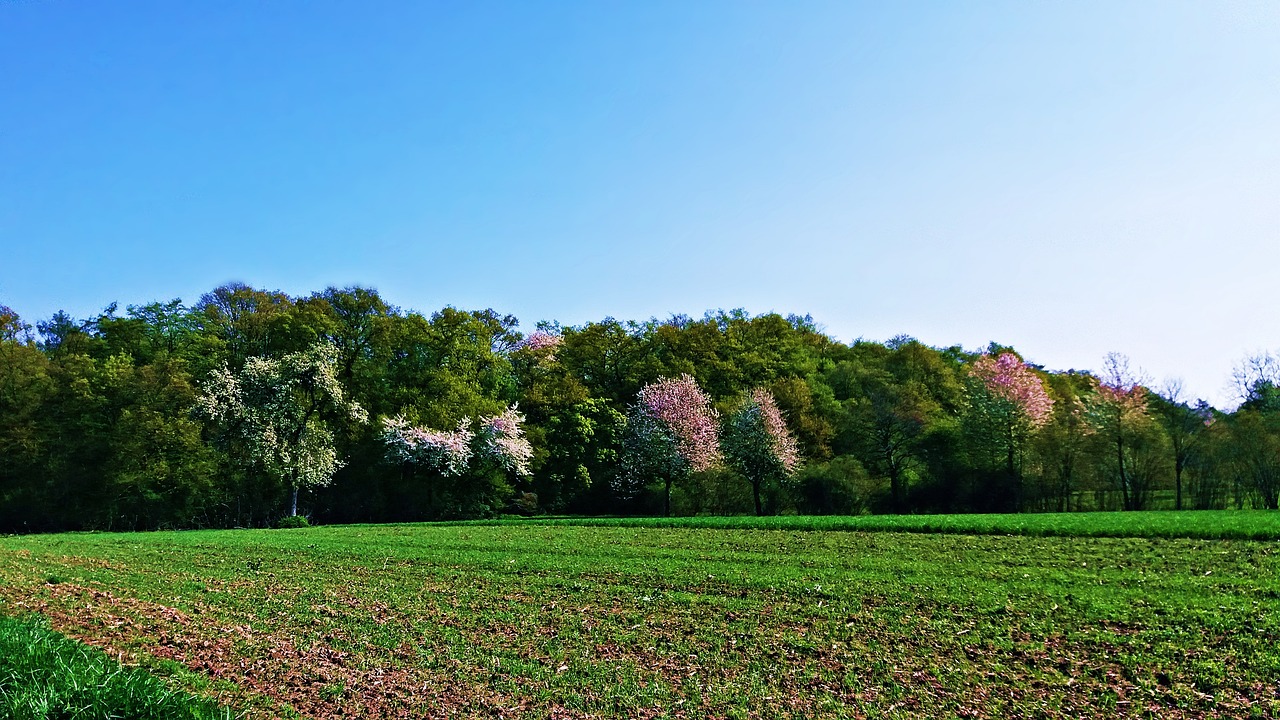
277, 408
492, 444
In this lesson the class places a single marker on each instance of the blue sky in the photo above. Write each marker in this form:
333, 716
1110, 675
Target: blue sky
1071, 178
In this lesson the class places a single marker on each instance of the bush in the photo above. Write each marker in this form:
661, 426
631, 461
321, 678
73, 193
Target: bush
713, 492
839, 487
293, 521
525, 503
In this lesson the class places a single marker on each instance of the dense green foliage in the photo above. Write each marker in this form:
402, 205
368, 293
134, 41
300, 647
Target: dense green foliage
45, 676
99, 427
530, 619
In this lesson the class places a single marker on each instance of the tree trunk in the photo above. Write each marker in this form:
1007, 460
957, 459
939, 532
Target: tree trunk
1124, 480
755, 490
666, 500
895, 489
294, 509
1177, 484
1015, 479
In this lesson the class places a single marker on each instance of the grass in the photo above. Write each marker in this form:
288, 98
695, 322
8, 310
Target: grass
1201, 524
615, 619
44, 675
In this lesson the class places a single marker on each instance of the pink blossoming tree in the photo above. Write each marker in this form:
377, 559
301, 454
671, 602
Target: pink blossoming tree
448, 452
672, 430
758, 444
540, 340
1012, 381
1007, 404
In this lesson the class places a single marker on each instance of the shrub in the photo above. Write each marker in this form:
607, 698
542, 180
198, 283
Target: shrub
839, 487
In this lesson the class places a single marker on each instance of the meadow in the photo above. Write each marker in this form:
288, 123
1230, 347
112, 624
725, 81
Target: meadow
1025, 616
1202, 524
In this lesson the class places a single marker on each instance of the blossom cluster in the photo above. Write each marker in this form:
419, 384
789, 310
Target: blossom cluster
539, 340
1132, 397
782, 444
1120, 389
504, 441
1008, 378
274, 406
449, 452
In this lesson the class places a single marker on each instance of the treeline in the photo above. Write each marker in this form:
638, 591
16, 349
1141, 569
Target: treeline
101, 427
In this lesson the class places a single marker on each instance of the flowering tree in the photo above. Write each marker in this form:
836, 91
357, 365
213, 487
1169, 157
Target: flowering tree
758, 444
503, 442
1007, 403
1010, 380
277, 409
1119, 409
540, 340
447, 452
497, 439
672, 430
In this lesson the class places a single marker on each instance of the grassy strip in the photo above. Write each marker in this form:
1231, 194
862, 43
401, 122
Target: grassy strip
44, 675
1195, 525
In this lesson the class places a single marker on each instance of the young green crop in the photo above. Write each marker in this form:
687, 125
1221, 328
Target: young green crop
1199, 524
536, 619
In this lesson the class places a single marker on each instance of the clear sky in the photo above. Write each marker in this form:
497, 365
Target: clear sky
1070, 178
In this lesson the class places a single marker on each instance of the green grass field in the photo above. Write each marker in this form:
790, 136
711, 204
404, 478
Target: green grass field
45, 675
1202, 524
691, 618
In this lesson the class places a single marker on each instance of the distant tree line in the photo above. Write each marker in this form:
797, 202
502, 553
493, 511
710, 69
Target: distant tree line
250, 405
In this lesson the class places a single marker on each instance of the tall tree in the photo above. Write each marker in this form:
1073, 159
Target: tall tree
1257, 382
889, 422
236, 322
1063, 443
612, 358
26, 385
1255, 456
1184, 423
1253, 440
357, 321
583, 448
1120, 410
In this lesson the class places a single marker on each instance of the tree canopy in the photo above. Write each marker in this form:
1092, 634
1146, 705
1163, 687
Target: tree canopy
251, 404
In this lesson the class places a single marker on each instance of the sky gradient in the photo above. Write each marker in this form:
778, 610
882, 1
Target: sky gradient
1067, 178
